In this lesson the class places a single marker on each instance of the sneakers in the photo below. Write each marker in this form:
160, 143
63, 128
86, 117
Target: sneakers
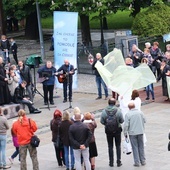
36, 111
52, 102
6, 167
64, 101
11, 160
98, 98
147, 98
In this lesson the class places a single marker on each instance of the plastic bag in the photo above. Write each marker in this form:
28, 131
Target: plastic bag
127, 148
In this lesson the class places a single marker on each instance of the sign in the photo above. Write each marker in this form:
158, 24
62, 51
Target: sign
65, 40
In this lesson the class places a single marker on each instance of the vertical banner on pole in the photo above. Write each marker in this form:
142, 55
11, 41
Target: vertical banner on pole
65, 40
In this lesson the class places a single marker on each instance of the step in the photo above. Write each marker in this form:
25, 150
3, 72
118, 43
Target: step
11, 110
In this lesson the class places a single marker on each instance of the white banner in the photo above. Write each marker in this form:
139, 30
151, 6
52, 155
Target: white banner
65, 40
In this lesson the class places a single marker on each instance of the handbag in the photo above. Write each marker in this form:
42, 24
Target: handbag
127, 148
35, 141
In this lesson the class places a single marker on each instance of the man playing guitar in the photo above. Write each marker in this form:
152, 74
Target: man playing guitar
68, 71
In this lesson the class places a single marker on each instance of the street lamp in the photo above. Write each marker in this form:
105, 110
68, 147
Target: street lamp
40, 31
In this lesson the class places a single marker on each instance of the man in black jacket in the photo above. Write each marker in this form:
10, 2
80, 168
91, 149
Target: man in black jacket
99, 80
68, 71
80, 136
20, 97
26, 76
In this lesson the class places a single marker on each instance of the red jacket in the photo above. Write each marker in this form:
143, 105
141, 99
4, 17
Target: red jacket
23, 130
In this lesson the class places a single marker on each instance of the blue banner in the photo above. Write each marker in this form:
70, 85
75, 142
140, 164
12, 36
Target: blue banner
65, 40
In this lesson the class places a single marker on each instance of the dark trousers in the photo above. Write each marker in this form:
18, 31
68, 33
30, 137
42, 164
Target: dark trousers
69, 85
16, 153
110, 138
15, 58
59, 155
48, 89
26, 102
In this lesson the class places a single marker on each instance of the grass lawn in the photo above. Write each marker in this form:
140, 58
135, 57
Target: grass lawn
120, 20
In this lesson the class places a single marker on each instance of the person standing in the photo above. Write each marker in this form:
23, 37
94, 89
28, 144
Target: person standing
19, 97
13, 49
4, 90
5, 46
156, 54
136, 55
3, 137
80, 136
134, 127
68, 71
136, 99
99, 80
165, 70
91, 123
112, 118
24, 129
55, 128
25, 75
49, 81
64, 133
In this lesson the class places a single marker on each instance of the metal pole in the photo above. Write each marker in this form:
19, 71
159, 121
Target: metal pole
2, 23
40, 31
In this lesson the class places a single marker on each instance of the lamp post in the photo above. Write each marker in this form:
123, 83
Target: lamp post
2, 24
40, 31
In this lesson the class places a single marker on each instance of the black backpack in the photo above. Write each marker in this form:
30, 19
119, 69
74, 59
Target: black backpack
111, 125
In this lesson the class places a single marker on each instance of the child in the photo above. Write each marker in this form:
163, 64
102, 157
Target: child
14, 50
15, 143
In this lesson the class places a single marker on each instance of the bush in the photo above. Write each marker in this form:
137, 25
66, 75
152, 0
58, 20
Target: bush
154, 21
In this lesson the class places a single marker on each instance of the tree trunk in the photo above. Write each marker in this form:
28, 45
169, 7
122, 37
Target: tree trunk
85, 30
2, 22
136, 6
105, 26
31, 28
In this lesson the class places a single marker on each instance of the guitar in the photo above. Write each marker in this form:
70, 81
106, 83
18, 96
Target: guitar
63, 77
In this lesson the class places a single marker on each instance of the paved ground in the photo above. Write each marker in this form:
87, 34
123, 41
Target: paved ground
157, 126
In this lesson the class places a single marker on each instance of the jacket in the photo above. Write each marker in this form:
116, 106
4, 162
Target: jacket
111, 108
95, 70
3, 125
54, 126
24, 130
64, 132
134, 122
66, 69
19, 94
26, 74
51, 79
79, 134
4, 45
92, 125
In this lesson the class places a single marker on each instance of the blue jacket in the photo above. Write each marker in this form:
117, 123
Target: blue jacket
51, 79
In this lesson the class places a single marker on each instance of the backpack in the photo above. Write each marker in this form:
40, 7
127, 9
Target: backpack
111, 125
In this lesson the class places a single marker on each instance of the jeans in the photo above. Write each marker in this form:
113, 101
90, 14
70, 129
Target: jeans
110, 142
6, 57
48, 89
77, 156
69, 85
2, 150
137, 148
149, 88
66, 155
99, 82
33, 155
16, 153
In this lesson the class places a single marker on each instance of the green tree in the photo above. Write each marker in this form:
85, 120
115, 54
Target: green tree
152, 22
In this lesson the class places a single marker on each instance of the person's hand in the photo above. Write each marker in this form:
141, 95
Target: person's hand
5, 79
71, 72
82, 147
25, 98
